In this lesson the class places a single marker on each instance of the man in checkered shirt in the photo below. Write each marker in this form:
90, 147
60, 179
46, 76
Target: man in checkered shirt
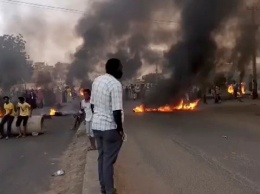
107, 105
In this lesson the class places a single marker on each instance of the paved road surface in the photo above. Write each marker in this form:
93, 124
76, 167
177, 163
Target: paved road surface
26, 164
214, 150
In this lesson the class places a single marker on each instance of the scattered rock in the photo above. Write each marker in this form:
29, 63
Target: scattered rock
59, 173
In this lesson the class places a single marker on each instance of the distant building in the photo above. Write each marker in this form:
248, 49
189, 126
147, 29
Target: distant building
60, 72
152, 77
30, 62
42, 67
39, 66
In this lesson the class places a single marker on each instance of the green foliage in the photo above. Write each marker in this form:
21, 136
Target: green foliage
14, 66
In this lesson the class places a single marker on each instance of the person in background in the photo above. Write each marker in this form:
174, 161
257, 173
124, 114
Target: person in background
24, 112
69, 95
40, 99
235, 87
79, 117
8, 118
86, 107
126, 92
107, 123
32, 99
132, 91
217, 95
254, 90
137, 91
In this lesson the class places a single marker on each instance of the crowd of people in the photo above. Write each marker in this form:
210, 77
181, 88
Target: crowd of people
39, 98
137, 91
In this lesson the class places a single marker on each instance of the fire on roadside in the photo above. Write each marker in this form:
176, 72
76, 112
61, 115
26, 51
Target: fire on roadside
53, 112
1, 114
231, 89
167, 109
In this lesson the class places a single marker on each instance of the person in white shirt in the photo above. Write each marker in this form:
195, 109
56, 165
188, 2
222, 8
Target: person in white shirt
107, 104
86, 107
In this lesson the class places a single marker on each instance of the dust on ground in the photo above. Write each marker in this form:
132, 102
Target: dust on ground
73, 163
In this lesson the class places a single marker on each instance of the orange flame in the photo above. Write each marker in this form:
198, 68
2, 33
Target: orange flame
243, 88
53, 112
231, 89
1, 114
167, 108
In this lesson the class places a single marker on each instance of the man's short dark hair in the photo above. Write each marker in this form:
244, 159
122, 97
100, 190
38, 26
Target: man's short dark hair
112, 65
6, 98
87, 91
21, 99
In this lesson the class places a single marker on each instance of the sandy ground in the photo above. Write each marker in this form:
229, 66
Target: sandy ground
73, 163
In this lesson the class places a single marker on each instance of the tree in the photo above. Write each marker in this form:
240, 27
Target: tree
14, 65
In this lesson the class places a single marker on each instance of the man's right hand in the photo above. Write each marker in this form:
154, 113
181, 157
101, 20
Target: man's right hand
121, 132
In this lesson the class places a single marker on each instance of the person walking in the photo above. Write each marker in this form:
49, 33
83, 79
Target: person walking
8, 118
86, 107
107, 106
217, 95
24, 112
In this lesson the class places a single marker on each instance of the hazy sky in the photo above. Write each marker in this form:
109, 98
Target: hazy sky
50, 34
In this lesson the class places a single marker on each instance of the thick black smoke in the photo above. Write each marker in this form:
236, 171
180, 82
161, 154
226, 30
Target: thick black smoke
122, 29
244, 50
192, 59
131, 65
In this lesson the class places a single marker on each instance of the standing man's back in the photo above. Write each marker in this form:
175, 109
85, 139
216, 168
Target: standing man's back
107, 104
102, 90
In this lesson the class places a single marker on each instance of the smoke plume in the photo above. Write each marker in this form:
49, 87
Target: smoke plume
123, 29
192, 59
245, 43
245, 46
49, 37
129, 30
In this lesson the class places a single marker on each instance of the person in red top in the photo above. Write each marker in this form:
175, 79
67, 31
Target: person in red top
40, 98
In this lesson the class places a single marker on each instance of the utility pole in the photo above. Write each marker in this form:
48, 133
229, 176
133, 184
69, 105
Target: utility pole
254, 27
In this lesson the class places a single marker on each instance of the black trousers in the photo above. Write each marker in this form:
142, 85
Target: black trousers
109, 144
9, 120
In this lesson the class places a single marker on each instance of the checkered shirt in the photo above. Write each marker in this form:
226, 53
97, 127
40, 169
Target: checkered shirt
107, 96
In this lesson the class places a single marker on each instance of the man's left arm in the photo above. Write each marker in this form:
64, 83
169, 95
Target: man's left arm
117, 106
